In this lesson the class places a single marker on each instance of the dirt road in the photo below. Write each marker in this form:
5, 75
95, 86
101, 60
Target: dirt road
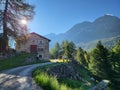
19, 78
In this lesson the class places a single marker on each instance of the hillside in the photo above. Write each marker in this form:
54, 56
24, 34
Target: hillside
107, 42
106, 26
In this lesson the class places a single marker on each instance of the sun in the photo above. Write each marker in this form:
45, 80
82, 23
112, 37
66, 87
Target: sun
23, 21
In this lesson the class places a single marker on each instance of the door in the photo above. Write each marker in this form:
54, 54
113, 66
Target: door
33, 48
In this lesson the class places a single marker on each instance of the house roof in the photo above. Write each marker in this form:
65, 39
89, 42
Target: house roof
40, 36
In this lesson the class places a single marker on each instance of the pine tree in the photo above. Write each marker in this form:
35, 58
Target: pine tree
55, 51
68, 49
99, 63
65, 49
115, 64
72, 50
116, 51
80, 56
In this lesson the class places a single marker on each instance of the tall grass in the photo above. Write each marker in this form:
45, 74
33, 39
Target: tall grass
49, 82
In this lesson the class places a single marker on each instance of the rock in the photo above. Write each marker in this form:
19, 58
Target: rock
61, 71
65, 71
101, 85
92, 79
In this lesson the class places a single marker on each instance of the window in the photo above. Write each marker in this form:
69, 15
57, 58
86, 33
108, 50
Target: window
40, 49
40, 42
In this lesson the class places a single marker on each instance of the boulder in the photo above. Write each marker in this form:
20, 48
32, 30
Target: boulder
101, 85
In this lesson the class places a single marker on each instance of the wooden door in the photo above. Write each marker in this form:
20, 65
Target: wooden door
33, 48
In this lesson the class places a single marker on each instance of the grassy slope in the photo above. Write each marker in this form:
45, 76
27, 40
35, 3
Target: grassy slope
47, 82
68, 84
18, 60
13, 61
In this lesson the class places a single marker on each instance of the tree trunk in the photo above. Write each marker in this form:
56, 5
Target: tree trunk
5, 38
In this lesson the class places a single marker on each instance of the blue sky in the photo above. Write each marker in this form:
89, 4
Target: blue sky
58, 16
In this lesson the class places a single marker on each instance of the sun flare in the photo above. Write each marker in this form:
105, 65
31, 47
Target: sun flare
23, 21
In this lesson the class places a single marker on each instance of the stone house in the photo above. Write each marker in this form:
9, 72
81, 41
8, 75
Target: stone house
35, 43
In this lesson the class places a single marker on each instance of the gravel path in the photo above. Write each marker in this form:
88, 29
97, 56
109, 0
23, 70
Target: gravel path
19, 78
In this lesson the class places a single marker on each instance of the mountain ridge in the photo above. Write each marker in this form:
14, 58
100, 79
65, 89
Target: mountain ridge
106, 26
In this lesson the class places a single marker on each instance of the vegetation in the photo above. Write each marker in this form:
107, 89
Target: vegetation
11, 12
102, 62
49, 82
99, 64
80, 56
55, 51
16, 61
114, 74
66, 50
13, 61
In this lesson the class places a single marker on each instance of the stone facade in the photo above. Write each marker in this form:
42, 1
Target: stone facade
35, 44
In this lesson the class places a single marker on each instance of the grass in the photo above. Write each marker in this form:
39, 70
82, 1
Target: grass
52, 83
48, 82
16, 61
74, 84
70, 82
13, 61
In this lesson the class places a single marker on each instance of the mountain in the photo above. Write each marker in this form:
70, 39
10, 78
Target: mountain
106, 26
51, 35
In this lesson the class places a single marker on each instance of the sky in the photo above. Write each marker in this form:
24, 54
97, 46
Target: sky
58, 16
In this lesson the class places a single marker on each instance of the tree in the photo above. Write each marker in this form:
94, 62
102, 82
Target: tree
116, 51
12, 11
65, 49
55, 51
80, 56
115, 66
72, 50
99, 63
68, 49
87, 57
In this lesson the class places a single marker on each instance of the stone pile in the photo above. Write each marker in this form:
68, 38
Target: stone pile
65, 71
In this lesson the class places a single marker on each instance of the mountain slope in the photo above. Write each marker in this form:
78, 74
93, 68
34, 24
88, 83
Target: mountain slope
108, 42
106, 26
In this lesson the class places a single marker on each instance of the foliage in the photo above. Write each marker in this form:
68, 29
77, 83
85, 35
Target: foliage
66, 50
104, 63
55, 51
114, 76
99, 63
12, 11
80, 56
116, 50
87, 57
